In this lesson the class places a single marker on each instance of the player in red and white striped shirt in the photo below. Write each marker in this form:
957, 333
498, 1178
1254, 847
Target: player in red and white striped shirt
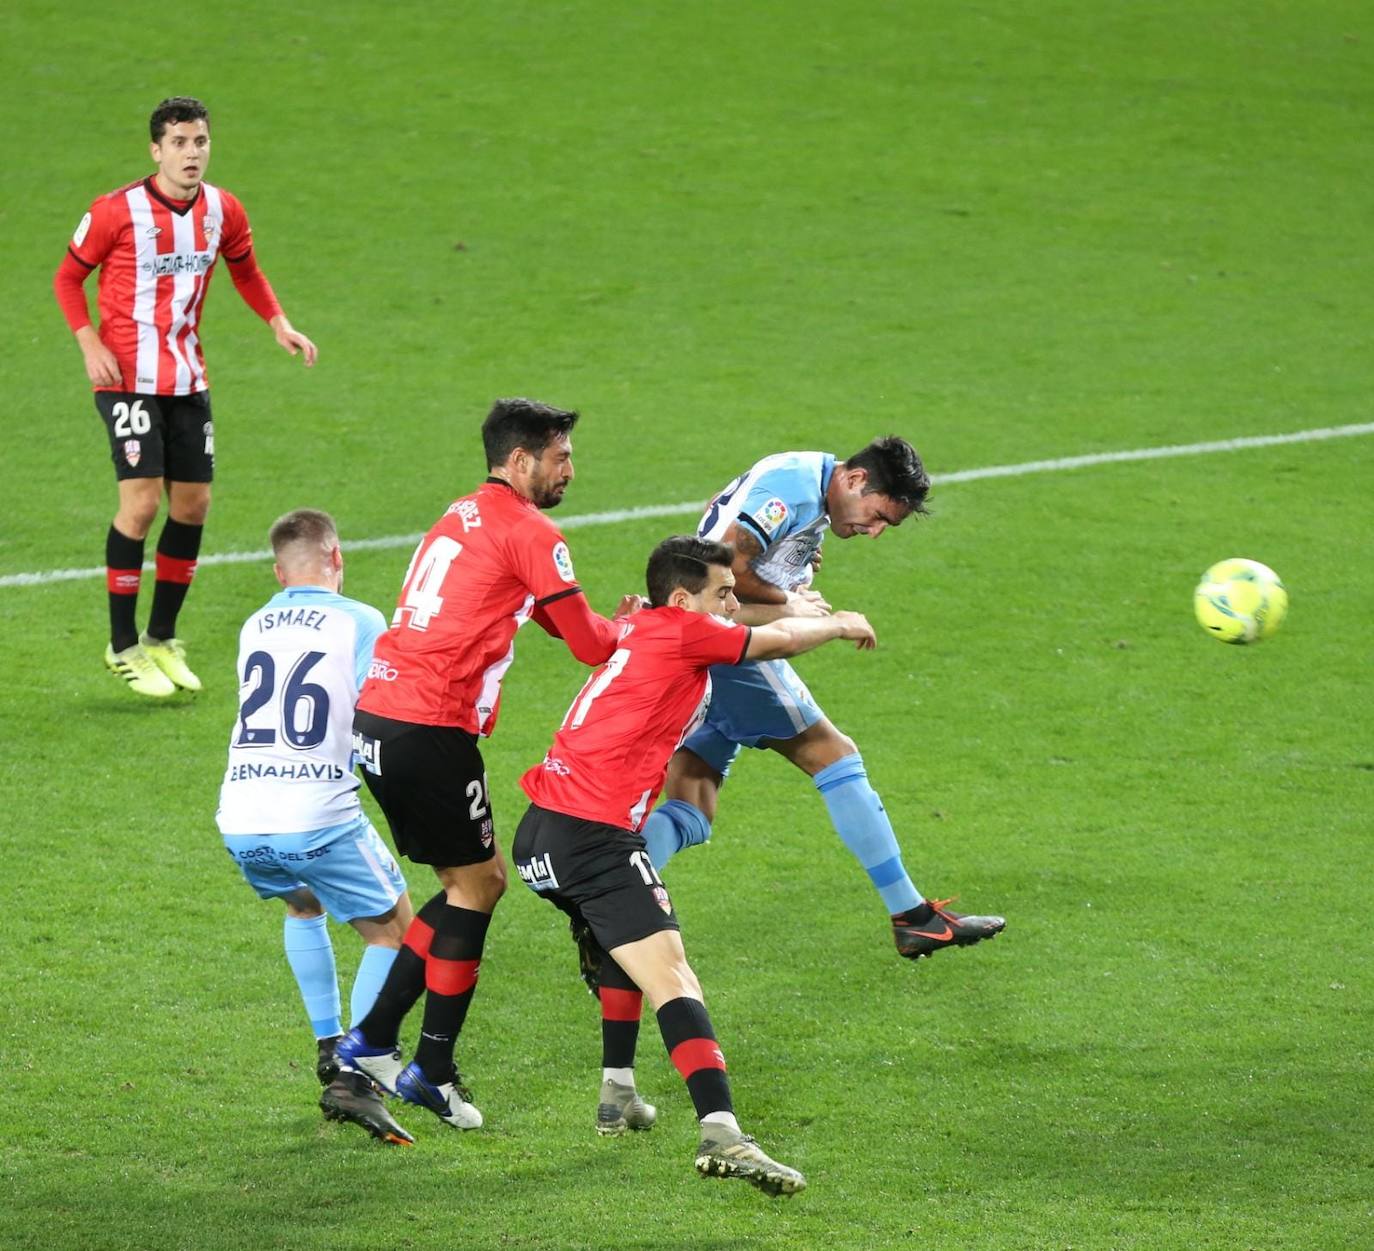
155, 243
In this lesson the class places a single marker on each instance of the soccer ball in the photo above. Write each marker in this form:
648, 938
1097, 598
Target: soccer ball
1240, 601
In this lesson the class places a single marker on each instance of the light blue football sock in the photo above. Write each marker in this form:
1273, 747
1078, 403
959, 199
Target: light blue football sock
311, 957
861, 822
372, 970
671, 827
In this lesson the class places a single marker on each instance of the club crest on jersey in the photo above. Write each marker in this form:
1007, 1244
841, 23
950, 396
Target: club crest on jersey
771, 515
82, 230
209, 226
133, 452
661, 898
562, 561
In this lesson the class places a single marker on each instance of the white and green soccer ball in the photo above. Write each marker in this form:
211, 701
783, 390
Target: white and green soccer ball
1240, 601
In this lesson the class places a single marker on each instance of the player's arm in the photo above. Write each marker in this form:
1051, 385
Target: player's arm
252, 285
792, 636
567, 616
761, 601
68, 285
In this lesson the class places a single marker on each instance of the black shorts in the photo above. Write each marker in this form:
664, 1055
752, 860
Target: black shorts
597, 872
431, 784
159, 436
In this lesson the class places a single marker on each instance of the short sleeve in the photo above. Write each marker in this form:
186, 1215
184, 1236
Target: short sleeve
96, 233
708, 640
371, 627
237, 240
769, 509
543, 562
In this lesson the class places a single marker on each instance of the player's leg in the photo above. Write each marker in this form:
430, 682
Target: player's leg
134, 426
310, 953
835, 766
620, 1106
658, 963
431, 784
190, 457
691, 791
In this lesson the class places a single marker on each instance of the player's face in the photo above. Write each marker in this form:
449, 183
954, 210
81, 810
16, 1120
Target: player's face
871, 514
182, 155
551, 473
718, 595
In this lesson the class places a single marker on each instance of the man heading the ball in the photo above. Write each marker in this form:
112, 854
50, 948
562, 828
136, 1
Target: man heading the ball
156, 243
775, 516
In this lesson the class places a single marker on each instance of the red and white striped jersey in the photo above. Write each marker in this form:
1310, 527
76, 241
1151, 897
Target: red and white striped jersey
475, 579
155, 257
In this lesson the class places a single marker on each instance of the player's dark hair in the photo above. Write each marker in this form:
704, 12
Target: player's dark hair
307, 527
683, 561
895, 470
522, 423
173, 110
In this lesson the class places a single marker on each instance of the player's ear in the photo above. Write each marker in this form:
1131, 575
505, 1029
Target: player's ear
277, 569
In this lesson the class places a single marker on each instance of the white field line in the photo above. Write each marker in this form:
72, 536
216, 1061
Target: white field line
48, 576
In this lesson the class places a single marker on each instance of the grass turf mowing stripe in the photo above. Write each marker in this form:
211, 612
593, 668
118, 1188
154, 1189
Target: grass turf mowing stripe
611, 517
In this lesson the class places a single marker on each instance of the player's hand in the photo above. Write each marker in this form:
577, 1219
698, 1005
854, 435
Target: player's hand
806, 603
101, 367
857, 629
630, 604
816, 561
293, 341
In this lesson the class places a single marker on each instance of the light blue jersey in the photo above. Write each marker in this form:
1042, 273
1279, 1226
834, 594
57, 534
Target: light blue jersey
781, 501
289, 811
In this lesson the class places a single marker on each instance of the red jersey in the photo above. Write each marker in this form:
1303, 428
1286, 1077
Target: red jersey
610, 755
475, 579
155, 257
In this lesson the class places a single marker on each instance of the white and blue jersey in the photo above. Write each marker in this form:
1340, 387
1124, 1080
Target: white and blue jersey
781, 501
288, 809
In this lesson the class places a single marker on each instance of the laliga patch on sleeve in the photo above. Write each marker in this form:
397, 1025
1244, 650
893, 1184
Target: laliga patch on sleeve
82, 229
771, 516
562, 561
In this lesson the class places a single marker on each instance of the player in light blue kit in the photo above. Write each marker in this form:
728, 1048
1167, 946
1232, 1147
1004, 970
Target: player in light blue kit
776, 516
289, 810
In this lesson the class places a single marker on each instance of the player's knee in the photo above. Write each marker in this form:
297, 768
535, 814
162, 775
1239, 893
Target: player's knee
136, 515
192, 507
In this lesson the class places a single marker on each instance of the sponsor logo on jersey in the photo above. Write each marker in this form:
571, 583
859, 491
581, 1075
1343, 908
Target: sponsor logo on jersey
152, 232
382, 671
562, 561
367, 751
555, 766
771, 515
178, 263
83, 228
537, 873
661, 898
133, 452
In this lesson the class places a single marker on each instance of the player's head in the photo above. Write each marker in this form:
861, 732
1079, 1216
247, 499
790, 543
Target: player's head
180, 132
529, 445
692, 573
880, 486
305, 548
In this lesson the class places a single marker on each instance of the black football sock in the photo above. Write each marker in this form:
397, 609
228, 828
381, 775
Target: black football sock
405, 982
123, 572
177, 549
455, 955
621, 1004
691, 1042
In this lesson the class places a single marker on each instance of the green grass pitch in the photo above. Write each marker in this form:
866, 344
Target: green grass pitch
1012, 232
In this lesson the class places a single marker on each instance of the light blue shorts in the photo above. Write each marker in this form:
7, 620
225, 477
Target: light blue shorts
347, 866
750, 703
